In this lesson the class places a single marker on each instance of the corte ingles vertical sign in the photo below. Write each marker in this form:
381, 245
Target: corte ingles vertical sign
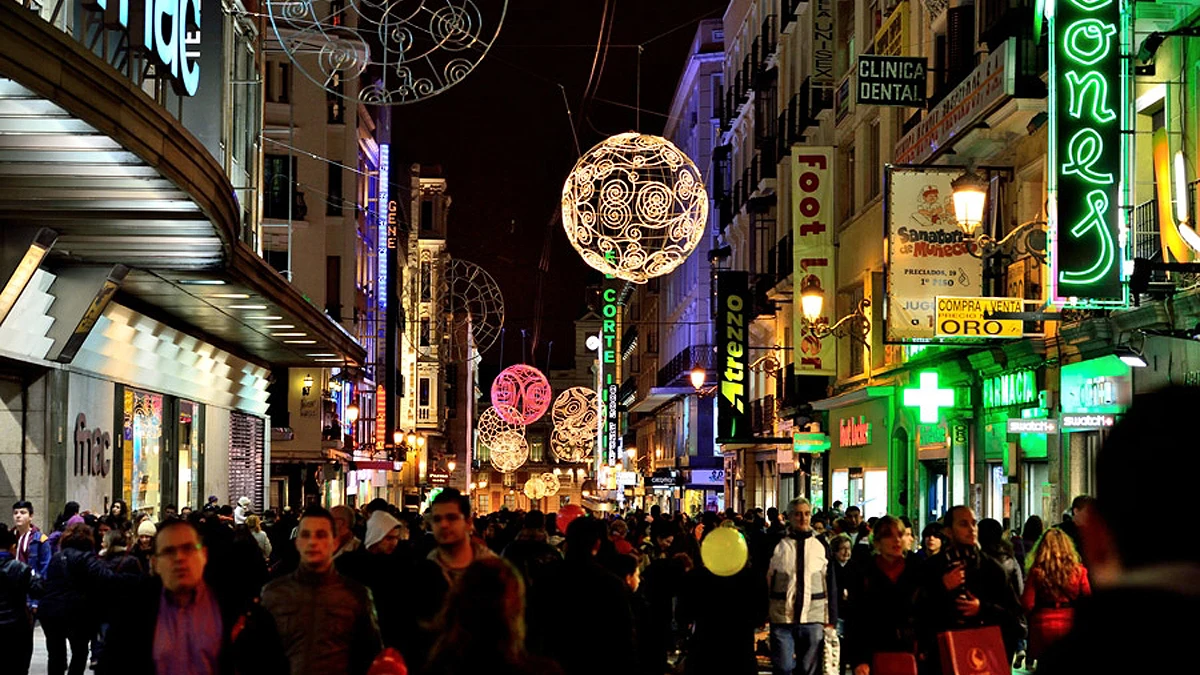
1089, 178
733, 365
608, 370
812, 248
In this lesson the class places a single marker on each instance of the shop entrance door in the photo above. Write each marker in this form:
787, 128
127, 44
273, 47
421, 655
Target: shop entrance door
997, 480
937, 490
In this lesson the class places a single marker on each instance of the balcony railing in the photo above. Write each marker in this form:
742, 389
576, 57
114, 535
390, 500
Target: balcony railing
769, 35
677, 371
1146, 241
762, 415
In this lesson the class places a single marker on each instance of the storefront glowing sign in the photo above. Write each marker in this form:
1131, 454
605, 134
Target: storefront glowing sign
1032, 426
164, 30
928, 397
809, 441
1077, 421
1089, 180
608, 370
1010, 389
854, 432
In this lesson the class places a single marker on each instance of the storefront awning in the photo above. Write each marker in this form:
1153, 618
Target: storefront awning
86, 153
658, 397
852, 397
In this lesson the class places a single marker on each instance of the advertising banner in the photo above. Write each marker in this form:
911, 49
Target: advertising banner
891, 80
733, 364
927, 252
972, 318
812, 248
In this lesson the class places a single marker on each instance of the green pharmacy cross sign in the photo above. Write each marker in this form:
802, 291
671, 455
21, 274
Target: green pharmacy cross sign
1089, 149
928, 397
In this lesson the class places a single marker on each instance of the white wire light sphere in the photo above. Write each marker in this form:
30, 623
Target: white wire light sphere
509, 451
634, 207
535, 488
551, 483
575, 415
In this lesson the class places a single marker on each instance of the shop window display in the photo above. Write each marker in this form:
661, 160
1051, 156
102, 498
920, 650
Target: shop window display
142, 437
191, 473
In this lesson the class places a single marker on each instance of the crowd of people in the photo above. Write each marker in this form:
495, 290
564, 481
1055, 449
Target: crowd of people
223, 590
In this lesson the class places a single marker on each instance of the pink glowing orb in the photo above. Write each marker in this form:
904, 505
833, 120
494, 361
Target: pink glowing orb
521, 394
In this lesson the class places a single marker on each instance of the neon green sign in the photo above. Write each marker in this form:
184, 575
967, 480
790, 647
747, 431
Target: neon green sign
1010, 389
928, 398
1089, 178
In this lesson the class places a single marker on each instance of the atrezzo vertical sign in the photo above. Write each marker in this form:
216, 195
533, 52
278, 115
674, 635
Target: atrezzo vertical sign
608, 370
812, 248
733, 365
1089, 150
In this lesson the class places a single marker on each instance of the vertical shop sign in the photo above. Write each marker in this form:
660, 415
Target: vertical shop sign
608, 370
733, 365
821, 43
927, 252
812, 248
1089, 177
382, 291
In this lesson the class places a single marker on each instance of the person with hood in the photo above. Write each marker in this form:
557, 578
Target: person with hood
326, 622
381, 567
76, 583
18, 581
801, 583
242, 510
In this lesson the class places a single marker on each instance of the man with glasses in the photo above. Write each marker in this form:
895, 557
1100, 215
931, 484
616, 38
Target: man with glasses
801, 583
179, 623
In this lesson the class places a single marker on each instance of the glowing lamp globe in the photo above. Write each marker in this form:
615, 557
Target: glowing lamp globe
521, 394
509, 451
576, 416
634, 207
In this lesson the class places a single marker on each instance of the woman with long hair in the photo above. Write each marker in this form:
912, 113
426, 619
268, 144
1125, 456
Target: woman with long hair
884, 618
482, 625
1056, 580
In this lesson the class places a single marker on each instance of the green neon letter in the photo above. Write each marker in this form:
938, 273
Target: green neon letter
1083, 151
1091, 5
1096, 86
1086, 41
1097, 203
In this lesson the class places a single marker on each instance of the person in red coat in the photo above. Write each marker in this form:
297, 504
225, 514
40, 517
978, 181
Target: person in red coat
1056, 580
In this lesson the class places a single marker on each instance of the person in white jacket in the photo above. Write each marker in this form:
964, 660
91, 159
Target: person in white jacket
801, 583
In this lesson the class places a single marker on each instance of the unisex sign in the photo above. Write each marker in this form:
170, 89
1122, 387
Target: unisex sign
927, 252
1089, 186
971, 318
812, 249
733, 408
891, 80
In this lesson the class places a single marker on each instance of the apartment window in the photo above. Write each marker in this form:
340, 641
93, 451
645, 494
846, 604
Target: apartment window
423, 392
718, 34
333, 287
718, 91
537, 450
425, 332
426, 281
426, 214
285, 81
334, 99
874, 166
336, 10
278, 175
333, 203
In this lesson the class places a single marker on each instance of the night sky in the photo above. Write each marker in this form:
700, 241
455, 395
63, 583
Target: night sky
504, 141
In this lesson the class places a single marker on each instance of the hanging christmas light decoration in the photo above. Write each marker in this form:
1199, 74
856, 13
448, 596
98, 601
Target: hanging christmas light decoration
535, 488
405, 50
634, 207
491, 425
521, 394
575, 415
509, 451
551, 483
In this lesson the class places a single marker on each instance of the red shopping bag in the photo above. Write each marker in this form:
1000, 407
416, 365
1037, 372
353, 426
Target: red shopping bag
977, 651
894, 663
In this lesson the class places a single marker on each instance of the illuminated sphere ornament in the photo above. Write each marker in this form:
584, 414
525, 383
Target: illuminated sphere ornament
404, 50
473, 308
509, 451
552, 484
724, 551
634, 207
575, 415
535, 487
521, 394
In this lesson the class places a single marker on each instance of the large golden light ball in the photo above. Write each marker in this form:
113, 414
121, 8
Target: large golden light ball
634, 207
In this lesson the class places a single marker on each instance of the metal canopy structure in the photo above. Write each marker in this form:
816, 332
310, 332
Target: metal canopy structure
86, 153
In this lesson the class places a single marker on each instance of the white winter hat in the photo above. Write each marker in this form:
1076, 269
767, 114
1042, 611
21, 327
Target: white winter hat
147, 529
244, 502
378, 525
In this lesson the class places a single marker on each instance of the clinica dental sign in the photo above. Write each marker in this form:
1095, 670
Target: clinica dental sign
1089, 178
162, 30
891, 80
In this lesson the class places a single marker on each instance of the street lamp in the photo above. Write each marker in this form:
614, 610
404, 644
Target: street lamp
697, 377
352, 412
812, 301
451, 465
969, 194
308, 385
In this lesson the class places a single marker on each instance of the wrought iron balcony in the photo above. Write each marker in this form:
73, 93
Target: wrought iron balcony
677, 371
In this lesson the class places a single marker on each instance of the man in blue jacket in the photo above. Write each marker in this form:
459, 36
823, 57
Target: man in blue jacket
32, 546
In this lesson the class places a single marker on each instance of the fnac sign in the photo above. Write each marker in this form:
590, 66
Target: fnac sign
161, 31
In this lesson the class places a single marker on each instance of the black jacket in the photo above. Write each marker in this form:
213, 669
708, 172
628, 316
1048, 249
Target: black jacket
78, 582
250, 643
986, 580
17, 583
584, 583
885, 617
385, 576
725, 612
